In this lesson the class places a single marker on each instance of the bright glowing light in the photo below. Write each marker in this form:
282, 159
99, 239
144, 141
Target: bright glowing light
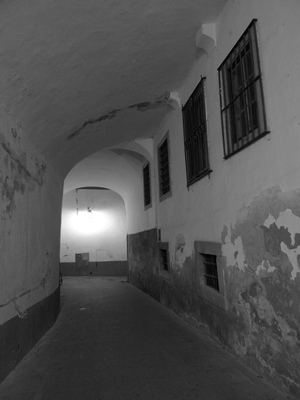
89, 223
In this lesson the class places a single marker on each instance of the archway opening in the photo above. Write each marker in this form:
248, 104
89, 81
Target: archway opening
93, 233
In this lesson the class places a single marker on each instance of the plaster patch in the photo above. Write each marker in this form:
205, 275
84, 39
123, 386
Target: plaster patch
224, 234
292, 255
234, 253
265, 266
290, 221
264, 309
180, 253
180, 258
269, 221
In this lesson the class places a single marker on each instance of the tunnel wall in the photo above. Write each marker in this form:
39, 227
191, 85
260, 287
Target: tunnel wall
29, 244
245, 212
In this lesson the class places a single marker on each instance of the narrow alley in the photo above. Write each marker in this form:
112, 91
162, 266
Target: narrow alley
114, 342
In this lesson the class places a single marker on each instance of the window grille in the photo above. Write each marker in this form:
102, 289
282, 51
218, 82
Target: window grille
164, 171
195, 135
164, 259
211, 271
241, 94
147, 185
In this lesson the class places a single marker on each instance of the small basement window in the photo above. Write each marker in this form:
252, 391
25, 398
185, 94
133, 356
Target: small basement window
209, 270
164, 259
164, 256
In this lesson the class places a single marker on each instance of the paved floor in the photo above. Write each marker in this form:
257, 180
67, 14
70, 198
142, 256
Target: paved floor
113, 342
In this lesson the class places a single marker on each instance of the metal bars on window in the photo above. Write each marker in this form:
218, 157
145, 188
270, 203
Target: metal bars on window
147, 185
164, 171
241, 94
211, 271
195, 135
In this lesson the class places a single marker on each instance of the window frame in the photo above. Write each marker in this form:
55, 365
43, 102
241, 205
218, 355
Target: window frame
194, 118
211, 271
242, 105
207, 293
163, 196
165, 247
147, 188
164, 273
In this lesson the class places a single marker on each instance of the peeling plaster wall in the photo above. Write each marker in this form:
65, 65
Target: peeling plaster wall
262, 278
249, 204
29, 238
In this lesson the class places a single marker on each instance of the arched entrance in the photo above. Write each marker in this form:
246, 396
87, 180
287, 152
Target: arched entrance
93, 233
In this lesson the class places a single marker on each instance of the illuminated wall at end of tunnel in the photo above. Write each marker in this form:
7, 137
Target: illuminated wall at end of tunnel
94, 222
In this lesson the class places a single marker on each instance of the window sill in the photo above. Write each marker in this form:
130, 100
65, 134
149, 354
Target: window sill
165, 196
212, 296
163, 274
147, 207
198, 178
246, 145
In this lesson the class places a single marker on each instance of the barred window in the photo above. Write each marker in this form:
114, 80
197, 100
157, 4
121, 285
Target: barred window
147, 185
164, 259
210, 281
241, 95
211, 271
164, 256
195, 135
164, 169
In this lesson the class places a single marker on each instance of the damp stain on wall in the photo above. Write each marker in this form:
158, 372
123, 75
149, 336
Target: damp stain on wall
16, 177
261, 248
262, 281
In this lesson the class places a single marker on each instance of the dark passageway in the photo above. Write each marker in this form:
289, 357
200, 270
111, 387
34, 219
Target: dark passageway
111, 341
157, 140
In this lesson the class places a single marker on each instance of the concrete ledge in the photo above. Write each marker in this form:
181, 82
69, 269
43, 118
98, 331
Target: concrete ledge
19, 335
99, 268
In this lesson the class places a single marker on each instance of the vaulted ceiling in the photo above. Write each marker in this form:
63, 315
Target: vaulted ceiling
81, 75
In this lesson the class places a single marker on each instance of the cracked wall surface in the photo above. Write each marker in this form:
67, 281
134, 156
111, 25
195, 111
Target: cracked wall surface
160, 101
30, 223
